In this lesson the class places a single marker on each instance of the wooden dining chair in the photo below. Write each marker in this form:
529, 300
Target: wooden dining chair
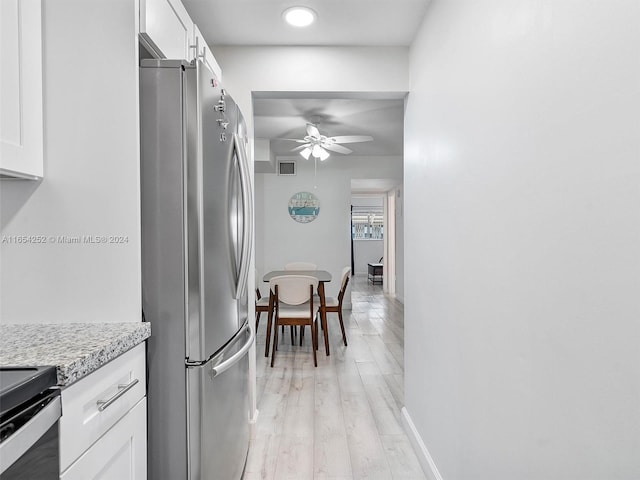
294, 305
334, 305
263, 306
300, 266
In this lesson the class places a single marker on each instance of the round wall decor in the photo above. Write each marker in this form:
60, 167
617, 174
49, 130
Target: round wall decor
304, 207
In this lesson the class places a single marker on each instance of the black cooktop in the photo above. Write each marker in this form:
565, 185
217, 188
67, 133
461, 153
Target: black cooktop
21, 384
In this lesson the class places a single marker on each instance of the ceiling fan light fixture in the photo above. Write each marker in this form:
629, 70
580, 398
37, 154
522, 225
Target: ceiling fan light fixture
299, 16
317, 150
320, 146
324, 155
306, 153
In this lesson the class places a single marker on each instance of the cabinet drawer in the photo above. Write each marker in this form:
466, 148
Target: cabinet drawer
86, 416
120, 454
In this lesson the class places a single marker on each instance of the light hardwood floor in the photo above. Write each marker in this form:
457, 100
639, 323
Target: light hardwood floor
342, 419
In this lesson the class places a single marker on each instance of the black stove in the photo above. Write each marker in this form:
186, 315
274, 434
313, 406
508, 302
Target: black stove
21, 384
29, 413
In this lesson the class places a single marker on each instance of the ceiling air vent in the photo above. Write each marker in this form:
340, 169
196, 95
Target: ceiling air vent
286, 168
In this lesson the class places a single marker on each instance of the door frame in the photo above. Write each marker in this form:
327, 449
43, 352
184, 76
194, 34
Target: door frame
389, 270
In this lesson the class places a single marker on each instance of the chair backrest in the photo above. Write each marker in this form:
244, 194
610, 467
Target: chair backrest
300, 266
258, 294
293, 289
346, 273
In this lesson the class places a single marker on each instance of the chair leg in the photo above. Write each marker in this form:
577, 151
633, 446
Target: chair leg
275, 343
301, 334
292, 329
314, 340
323, 318
269, 322
344, 335
258, 319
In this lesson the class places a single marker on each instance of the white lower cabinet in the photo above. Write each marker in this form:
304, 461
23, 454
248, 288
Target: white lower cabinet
103, 428
121, 453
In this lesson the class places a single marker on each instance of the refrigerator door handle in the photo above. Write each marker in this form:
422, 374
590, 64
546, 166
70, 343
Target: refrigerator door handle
247, 231
235, 358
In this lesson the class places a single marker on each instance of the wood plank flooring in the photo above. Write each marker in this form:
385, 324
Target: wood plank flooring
341, 420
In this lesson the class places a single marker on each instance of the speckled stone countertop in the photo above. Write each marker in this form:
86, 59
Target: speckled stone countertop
76, 349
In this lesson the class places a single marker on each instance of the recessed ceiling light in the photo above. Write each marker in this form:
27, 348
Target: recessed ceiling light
299, 16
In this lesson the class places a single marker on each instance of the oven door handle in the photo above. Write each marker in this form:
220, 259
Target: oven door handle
24, 438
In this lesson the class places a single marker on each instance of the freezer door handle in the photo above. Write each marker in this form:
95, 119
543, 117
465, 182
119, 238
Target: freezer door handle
247, 201
236, 357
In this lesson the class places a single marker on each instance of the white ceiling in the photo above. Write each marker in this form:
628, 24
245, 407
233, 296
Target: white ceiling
341, 23
363, 115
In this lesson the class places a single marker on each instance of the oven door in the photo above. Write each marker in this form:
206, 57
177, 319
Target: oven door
29, 440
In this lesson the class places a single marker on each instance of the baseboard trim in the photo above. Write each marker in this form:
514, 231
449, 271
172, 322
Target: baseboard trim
254, 418
424, 457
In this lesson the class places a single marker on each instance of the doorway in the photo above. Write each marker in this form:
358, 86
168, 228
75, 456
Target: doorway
375, 232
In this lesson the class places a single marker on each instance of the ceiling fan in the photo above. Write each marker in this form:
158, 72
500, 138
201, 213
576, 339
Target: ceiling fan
315, 144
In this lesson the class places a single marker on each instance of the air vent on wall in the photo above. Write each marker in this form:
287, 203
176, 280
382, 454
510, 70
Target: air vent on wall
286, 168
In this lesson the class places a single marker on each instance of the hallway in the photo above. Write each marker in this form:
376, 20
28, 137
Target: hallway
342, 419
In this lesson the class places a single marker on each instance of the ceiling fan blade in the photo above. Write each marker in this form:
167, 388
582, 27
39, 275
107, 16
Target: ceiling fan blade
291, 140
301, 147
350, 138
313, 131
336, 148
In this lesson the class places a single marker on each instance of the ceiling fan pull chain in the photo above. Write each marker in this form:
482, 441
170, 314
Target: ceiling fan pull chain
315, 173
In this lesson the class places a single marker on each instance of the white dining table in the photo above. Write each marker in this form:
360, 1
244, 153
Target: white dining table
323, 277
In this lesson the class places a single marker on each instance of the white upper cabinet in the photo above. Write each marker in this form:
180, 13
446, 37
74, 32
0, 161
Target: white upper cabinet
21, 124
166, 28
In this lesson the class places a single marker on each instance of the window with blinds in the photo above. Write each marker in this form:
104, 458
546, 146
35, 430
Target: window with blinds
367, 223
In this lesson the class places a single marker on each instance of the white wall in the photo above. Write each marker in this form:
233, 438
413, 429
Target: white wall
366, 251
399, 243
295, 69
326, 240
368, 200
522, 239
91, 175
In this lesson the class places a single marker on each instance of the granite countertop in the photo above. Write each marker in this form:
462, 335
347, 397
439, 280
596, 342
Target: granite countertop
76, 349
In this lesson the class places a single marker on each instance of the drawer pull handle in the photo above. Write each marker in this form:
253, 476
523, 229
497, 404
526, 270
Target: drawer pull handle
122, 389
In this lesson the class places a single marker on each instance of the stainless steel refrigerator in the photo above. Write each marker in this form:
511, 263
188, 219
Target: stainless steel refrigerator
196, 241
